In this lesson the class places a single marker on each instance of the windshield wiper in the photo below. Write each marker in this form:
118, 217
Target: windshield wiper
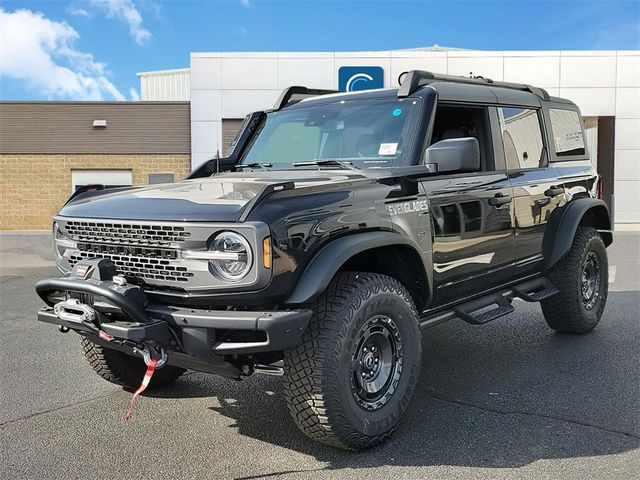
263, 166
327, 161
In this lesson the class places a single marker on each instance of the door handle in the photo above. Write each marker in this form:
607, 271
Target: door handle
553, 191
499, 199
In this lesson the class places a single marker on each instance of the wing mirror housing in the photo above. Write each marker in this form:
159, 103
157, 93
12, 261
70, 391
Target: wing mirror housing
454, 155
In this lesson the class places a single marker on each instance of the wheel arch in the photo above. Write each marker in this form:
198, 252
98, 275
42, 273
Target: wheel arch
563, 224
387, 253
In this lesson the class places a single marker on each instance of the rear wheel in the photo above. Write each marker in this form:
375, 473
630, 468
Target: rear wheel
125, 370
582, 278
351, 380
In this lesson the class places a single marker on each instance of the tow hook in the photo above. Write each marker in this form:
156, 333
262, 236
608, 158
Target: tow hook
147, 353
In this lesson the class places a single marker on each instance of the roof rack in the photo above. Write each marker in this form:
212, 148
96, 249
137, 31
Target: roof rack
293, 95
414, 79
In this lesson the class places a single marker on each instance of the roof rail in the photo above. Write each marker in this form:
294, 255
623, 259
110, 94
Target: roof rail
414, 79
295, 94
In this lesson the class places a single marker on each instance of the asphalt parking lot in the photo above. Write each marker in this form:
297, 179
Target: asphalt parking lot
510, 399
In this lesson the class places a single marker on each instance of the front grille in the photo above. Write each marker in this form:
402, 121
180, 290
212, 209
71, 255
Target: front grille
141, 267
129, 251
126, 233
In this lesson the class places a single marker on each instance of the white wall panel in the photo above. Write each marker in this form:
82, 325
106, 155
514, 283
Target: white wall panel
488, 67
205, 73
238, 103
628, 71
587, 71
538, 71
628, 103
592, 101
253, 73
626, 201
627, 165
206, 105
308, 72
627, 134
205, 136
626, 217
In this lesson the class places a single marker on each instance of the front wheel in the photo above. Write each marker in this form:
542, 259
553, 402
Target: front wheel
582, 278
351, 380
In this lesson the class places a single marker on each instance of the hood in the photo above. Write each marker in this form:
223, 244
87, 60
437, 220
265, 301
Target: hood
224, 197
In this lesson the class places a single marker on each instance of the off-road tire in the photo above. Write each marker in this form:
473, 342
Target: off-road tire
566, 311
318, 376
122, 369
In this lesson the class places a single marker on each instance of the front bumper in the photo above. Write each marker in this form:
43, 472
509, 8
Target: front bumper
188, 335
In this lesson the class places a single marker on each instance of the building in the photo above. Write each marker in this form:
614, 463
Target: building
48, 149
224, 87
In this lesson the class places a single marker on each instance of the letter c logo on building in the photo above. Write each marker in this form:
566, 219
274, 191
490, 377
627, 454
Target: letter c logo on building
351, 79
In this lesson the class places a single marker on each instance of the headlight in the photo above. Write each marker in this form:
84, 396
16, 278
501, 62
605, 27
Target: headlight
231, 257
60, 243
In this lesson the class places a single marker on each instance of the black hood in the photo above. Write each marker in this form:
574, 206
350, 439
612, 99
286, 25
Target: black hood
223, 197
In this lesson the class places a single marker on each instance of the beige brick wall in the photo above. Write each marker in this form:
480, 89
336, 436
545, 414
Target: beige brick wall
34, 187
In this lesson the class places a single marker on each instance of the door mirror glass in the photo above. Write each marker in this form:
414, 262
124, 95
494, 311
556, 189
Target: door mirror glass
454, 155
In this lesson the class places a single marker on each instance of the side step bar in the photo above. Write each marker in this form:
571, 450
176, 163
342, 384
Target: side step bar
535, 290
475, 311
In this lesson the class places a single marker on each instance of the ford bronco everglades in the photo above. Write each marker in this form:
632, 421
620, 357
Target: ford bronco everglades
337, 228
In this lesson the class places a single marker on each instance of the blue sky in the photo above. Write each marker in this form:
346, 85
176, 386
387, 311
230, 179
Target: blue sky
92, 49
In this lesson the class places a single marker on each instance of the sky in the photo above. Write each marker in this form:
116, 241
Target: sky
92, 49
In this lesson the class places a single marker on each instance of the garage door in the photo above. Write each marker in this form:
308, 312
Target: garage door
230, 127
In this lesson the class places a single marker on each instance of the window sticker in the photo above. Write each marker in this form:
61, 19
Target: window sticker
397, 112
388, 149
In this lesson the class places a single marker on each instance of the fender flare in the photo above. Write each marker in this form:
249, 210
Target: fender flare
327, 261
563, 224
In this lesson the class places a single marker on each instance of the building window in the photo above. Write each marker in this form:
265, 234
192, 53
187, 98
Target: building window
567, 132
155, 178
521, 137
108, 178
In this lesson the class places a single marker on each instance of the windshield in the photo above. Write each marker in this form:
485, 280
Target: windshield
363, 134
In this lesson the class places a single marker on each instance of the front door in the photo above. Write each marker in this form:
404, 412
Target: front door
472, 213
473, 237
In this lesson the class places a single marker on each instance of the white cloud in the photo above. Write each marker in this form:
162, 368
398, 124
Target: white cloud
126, 11
78, 12
41, 53
245, 3
135, 96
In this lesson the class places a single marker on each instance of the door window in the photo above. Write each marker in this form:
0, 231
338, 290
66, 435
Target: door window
521, 137
464, 122
567, 132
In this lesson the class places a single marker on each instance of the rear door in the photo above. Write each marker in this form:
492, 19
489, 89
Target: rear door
536, 190
472, 214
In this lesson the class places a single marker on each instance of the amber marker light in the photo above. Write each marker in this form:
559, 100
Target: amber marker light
266, 252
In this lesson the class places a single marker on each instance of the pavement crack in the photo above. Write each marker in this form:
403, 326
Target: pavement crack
62, 407
445, 398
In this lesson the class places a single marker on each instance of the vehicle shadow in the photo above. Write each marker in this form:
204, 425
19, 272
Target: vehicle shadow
499, 396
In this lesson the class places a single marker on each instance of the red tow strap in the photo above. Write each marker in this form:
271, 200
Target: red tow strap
143, 386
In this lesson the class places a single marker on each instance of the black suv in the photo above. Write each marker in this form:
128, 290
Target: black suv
337, 228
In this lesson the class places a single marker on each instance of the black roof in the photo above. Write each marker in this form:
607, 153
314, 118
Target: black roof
448, 87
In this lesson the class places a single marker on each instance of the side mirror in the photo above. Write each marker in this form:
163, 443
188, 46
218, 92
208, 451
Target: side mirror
454, 155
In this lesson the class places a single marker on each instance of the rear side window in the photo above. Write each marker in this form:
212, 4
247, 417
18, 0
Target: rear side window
521, 137
567, 132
